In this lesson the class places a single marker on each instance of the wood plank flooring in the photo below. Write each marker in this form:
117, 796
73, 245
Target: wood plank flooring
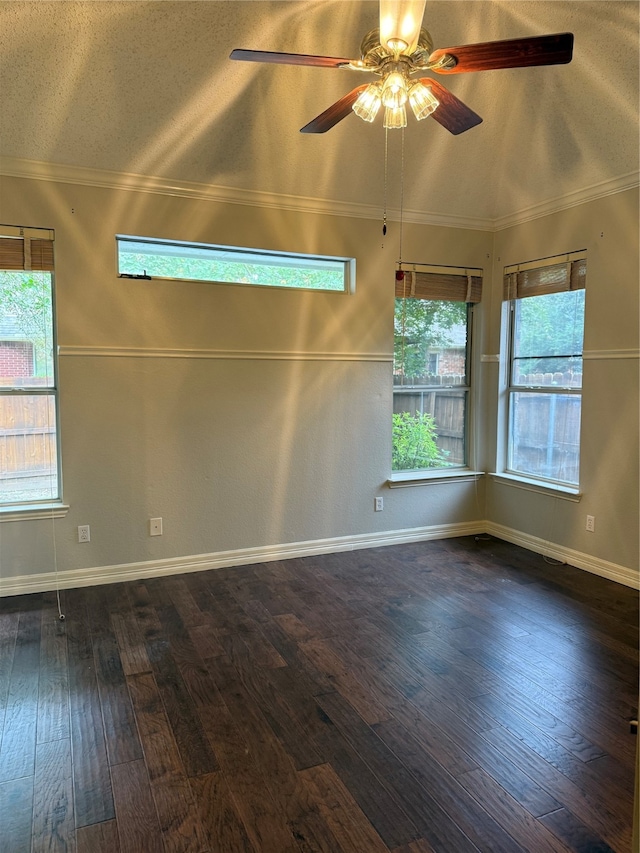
439, 697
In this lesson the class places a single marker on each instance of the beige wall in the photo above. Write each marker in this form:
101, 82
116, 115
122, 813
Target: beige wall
281, 434
608, 230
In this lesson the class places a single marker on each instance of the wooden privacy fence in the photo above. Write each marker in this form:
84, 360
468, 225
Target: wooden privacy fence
27, 438
546, 435
445, 405
545, 427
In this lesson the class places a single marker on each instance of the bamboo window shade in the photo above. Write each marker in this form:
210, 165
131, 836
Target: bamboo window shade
30, 250
451, 285
554, 277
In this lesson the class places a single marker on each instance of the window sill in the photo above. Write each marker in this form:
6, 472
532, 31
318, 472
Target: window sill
567, 493
33, 512
404, 479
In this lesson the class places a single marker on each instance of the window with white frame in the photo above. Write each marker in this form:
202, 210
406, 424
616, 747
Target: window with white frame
142, 257
29, 446
546, 324
431, 366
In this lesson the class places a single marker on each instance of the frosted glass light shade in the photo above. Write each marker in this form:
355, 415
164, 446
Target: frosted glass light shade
400, 22
394, 90
368, 103
423, 101
395, 117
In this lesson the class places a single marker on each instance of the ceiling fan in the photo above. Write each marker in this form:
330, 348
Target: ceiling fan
399, 51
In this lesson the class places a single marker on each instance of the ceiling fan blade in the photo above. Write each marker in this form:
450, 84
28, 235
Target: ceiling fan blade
452, 114
554, 49
288, 58
335, 113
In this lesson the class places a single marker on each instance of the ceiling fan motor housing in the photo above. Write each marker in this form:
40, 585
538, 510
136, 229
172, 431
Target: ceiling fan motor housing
373, 54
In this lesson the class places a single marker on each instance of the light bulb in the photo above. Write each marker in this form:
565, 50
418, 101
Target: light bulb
394, 90
395, 117
422, 101
368, 102
400, 22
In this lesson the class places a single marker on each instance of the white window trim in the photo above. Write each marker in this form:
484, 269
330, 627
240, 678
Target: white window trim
47, 508
33, 512
502, 474
543, 487
406, 479
265, 257
427, 476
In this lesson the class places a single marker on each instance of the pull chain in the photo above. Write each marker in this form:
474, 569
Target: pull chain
401, 194
404, 291
384, 213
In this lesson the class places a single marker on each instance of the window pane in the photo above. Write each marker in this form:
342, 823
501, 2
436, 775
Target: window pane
428, 428
547, 340
26, 330
430, 342
552, 370
234, 266
28, 452
544, 435
430, 384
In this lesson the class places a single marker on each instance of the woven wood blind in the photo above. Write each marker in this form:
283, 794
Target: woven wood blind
26, 253
548, 278
451, 286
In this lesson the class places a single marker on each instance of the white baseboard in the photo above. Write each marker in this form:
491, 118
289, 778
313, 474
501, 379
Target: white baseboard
46, 581
612, 571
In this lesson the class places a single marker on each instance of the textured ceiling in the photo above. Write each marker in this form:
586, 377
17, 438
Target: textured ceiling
148, 89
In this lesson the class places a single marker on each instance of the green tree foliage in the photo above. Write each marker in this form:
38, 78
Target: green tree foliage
549, 331
414, 443
230, 271
26, 310
420, 325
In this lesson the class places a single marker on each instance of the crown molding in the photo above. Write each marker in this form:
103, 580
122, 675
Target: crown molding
16, 167
564, 202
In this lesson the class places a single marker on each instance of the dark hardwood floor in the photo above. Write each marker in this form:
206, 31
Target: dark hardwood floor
437, 697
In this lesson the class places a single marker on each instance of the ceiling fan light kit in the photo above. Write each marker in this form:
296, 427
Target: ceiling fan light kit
395, 117
394, 96
423, 103
368, 102
401, 48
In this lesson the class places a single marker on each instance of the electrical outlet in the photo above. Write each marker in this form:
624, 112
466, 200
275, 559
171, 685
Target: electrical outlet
155, 527
591, 523
84, 533
378, 504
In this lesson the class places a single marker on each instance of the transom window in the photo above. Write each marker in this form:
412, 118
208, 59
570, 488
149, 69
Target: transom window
141, 257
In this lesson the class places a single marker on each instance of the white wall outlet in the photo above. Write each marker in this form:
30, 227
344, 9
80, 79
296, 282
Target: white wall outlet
155, 527
591, 523
378, 504
84, 533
